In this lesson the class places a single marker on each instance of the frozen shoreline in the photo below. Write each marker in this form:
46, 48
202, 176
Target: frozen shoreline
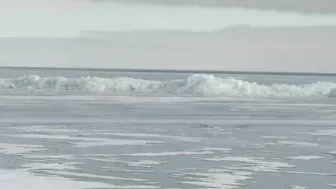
76, 142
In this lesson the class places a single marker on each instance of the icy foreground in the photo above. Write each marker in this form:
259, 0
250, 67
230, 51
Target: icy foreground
81, 141
198, 84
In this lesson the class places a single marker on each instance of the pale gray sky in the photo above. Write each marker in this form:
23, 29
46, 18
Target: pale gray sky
50, 33
303, 50
61, 18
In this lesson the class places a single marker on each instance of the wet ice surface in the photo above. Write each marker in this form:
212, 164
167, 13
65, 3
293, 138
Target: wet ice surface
77, 142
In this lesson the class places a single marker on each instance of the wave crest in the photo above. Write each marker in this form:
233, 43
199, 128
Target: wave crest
198, 84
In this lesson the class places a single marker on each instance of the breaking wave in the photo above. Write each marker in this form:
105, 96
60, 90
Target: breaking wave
195, 85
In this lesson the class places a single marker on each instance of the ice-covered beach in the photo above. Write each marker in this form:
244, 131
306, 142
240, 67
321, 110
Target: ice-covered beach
200, 131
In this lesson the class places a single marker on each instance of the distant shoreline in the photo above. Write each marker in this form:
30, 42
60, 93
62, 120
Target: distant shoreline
171, 71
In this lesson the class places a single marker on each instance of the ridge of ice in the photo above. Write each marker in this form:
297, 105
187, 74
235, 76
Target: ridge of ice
197, 84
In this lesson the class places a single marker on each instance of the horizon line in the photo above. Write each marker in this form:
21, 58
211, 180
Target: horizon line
173, 71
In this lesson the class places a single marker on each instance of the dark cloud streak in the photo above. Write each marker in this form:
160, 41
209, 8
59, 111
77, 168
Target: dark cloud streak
305, 6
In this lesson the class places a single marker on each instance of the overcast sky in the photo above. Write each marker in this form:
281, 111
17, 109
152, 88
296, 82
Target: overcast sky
97, 33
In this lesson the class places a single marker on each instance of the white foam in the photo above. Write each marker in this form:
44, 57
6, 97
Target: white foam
274, 137
140, 163
305, 157
170, 153
123, 170
100, 155
102, 159
88, 142
66, 173
47, 129
51, 166
45, 157
217, 179
298, 143
198, 84
298, 187
114, 142
254, 163
15, 149
325, 132
215, 149
143, 135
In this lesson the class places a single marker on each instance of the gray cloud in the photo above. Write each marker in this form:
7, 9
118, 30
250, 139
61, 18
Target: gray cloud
308, 6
